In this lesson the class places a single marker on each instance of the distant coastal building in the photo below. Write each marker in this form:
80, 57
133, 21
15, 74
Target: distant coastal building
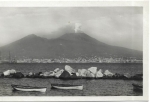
80, 60
83, 59
7, 60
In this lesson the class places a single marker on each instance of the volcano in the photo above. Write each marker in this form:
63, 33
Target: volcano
70, 45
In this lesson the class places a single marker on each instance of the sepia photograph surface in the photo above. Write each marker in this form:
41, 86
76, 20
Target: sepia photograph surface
73, 51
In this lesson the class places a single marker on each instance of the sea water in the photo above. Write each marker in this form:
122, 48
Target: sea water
92, 87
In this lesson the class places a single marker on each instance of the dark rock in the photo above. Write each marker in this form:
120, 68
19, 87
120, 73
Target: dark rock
66, 75
137, 77
74, 76
118, 76
37, 75
1, 75
18, 75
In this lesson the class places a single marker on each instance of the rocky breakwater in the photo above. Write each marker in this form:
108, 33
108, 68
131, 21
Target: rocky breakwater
70, 73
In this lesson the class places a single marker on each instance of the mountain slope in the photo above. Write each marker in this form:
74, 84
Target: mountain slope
71, 45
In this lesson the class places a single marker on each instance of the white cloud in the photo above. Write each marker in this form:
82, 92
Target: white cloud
77, 27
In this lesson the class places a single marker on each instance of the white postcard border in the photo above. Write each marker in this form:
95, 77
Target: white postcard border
143, 4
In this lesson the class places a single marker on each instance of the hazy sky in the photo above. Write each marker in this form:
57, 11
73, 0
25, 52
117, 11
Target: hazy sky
119, 26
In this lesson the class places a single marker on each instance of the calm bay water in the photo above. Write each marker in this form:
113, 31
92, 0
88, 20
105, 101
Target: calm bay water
99, 87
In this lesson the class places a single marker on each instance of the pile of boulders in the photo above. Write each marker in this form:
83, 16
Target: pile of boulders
12, 74
69, 73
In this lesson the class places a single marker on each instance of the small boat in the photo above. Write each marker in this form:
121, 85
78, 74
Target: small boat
28, 88
66, 86
137, 87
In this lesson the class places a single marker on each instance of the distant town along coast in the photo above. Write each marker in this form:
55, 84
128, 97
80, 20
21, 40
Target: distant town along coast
81, 60
75, 60
84, 59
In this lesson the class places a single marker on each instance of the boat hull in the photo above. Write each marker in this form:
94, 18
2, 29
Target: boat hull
68, 87
137, 87
28, 88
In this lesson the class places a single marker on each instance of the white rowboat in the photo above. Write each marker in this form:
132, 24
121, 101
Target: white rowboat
28, 88
67, 86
